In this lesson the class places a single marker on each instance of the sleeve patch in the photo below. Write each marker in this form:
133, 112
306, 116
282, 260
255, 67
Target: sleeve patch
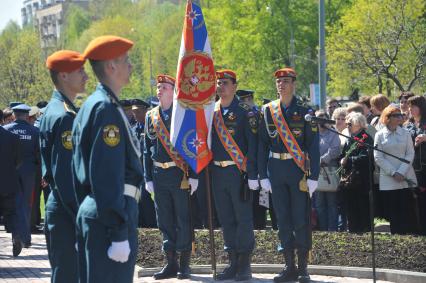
66, 140
111, 135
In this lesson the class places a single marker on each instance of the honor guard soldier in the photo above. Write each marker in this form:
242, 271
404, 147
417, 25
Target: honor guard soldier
107, 168
286, 143
166, 176
29, 143
146, 204
69, 78
234, 148
259, 208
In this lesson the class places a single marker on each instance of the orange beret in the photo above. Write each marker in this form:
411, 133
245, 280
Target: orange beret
166, 79
107, 47
65, 61
226, 74
285, 72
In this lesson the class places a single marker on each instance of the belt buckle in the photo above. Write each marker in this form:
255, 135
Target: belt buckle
222, 163
283, 156
165, 165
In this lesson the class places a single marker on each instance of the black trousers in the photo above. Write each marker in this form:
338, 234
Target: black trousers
357, 210
397, 210
8, 211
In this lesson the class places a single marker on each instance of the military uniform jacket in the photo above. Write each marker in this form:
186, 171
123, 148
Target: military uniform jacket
154, 149
56, 148
10, 159
29, 143
105, 158
305, 134
241, 122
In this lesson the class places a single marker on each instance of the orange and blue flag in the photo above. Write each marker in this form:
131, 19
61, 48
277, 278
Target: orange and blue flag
193, 103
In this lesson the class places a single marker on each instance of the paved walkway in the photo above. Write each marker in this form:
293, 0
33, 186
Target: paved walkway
32, 265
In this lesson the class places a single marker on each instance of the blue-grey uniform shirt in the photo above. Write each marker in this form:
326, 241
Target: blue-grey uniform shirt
56, 148
305, 134
154, 150
241, 122
105, 159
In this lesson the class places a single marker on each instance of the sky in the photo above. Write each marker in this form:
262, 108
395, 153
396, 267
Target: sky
10, 10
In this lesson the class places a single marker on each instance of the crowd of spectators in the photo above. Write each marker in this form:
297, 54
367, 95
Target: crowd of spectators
396, 166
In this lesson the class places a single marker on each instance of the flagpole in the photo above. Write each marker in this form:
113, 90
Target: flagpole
210, 216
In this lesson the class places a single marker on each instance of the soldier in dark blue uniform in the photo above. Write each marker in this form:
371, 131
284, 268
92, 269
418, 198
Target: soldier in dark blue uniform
28, 136
69, 78
146, 204
107, 168
234, 146
261, 198
10, 155
284, 141
166, 176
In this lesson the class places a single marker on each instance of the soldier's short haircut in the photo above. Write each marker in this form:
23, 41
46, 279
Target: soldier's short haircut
54, 76
98, 68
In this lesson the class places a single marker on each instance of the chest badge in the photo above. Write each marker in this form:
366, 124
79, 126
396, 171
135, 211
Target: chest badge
296, 117
231, 116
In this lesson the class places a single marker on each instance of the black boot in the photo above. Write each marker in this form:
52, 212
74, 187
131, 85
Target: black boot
289, 272
302, 264
17, 247
184, 270
171, 268
243, 267
231, 270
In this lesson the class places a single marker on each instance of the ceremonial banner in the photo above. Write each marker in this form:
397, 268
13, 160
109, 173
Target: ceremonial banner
193, 103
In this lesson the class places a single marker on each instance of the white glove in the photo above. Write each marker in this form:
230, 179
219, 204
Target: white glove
266, 185
312, 186
193, 183
119, 251
253, 184
149, 187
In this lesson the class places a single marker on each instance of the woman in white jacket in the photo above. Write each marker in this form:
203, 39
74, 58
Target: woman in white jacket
395, 176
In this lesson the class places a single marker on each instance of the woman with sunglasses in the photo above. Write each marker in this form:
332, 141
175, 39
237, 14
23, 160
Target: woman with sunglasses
355, 172
396, 177
416, 126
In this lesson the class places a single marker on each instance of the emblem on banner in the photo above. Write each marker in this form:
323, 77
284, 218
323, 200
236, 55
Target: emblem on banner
195, 142
196, 80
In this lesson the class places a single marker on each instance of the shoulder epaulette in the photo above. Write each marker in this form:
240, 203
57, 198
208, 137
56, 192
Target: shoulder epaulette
244, 106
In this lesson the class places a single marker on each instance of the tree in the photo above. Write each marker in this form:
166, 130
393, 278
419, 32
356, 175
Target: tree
379, 45
23, 76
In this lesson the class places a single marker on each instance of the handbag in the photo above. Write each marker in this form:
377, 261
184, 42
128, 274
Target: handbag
328, 180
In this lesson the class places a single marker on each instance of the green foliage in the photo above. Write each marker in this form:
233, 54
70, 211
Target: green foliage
22, 71
253, 37
77, 21
378, 46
